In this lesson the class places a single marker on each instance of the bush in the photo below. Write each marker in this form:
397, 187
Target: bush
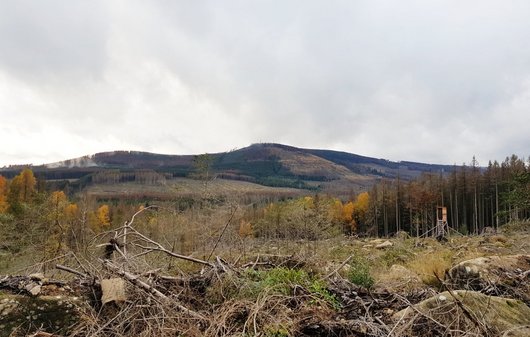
396, 255
359, 273
280, 280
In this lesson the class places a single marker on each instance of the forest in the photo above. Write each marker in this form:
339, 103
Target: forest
476, 197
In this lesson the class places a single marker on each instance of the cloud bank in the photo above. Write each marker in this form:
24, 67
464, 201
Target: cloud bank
431, 81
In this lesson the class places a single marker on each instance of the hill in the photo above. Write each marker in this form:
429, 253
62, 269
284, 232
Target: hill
266, 164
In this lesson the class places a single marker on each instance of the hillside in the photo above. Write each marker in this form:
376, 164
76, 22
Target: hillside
273, 165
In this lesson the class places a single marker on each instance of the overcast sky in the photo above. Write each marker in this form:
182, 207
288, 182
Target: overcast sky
430, 81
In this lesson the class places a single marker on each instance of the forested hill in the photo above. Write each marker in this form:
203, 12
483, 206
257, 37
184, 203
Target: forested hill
268, 164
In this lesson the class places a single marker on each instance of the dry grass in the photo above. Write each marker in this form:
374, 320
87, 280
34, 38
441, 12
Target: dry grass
431, 264
188, 188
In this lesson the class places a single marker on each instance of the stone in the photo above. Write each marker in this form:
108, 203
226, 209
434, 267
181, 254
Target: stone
44, 313
502, 272
385, 244
113, 290
37, 276
33, 288
500, 315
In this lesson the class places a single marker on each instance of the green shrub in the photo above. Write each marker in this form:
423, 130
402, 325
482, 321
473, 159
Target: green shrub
359, 273
282, 281
320, 289
396, 255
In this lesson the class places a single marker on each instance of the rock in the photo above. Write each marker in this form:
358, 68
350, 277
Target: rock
52, 314
113, 290
384, 245
488, 231
33, 288
37, 276
402, 235
497, 314
494, 274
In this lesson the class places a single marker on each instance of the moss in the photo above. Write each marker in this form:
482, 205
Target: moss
499, 314
23, 314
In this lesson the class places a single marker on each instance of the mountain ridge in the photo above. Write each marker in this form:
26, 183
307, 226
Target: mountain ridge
269, 164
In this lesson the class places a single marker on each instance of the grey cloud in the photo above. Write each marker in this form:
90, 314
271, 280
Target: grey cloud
401, 80
53, 38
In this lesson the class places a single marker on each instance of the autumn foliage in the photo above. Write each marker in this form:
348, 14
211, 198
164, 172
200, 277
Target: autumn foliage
3, 195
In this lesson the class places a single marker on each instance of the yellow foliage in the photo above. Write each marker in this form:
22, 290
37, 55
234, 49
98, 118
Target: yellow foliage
3, 194
362, 202
245, 228
99, 220
103, 215
22, 187
308, 202
71, 212
57, 201
336, 210
347, 212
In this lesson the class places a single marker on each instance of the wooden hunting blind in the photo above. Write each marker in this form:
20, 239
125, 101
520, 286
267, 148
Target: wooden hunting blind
442, 227
441, 214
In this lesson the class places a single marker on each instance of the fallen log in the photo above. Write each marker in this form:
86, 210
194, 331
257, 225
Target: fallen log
135, 280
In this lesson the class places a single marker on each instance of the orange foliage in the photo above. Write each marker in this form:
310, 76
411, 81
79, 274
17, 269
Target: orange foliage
245, 229
360, 210
103, 215
22, 187
3, 195
347, 212
100, 219
57, 198
71, 212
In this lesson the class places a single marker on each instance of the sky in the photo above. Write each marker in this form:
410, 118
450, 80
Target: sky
426, 80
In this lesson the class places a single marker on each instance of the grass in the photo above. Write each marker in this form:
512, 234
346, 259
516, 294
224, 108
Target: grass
397, 254
277, 281
185, 187
359, 272
516, 227
430, 265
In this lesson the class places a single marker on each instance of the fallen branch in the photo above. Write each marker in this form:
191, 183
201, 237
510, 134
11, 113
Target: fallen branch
135, 280
71, 270
338, 268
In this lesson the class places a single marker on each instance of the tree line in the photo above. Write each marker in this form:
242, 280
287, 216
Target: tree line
32, 215
476, 197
